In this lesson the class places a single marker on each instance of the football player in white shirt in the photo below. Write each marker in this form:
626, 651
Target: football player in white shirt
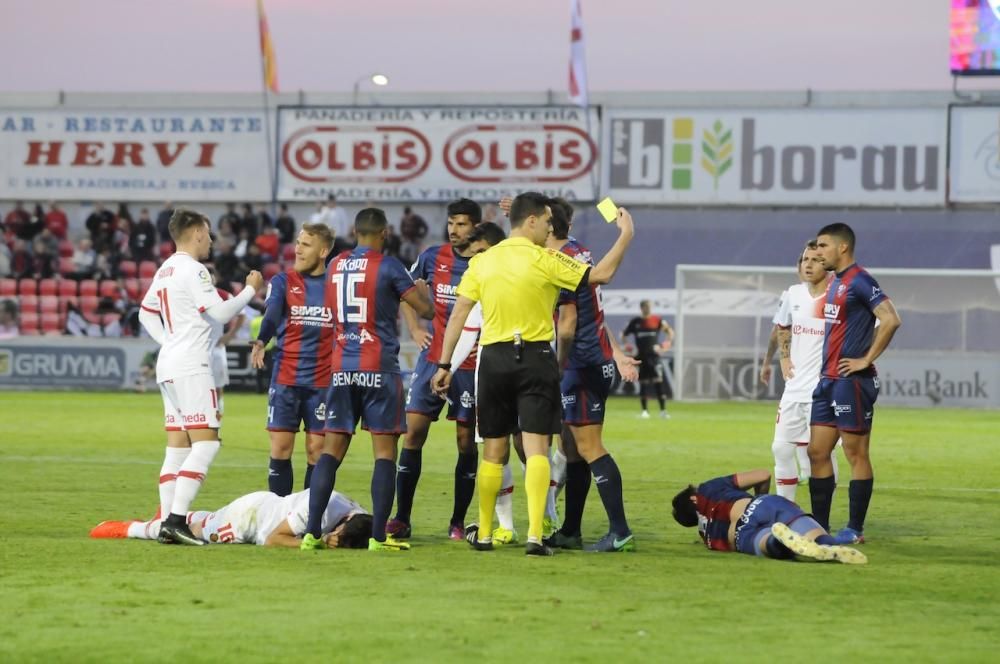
262, 518
177, 312
800, 328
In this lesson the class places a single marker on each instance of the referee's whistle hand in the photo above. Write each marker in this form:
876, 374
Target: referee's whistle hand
441, 382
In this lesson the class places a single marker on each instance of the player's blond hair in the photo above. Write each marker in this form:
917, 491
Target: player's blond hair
320, 231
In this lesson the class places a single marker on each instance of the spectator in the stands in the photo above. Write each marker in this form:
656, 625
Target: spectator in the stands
226, 262
125, 220
264, 217
4, 260
57, 221
392, 243
142, 242
268, 243
227, 231
335, 217
21, 262
243, 244
252, 261
98, 217
50, 241
84, 259
8, 319
413, 230
18, 221
44, 264
249, 222
231, 217
163, 221
106, 266
491, 213
285, 225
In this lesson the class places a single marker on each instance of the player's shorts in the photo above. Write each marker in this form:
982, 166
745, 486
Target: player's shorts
462, 394
845, 403
220, 366
236, 523
650, 368
792, 425
585, 392
190, 402
762, 513
518, 394
372, 397
288, 406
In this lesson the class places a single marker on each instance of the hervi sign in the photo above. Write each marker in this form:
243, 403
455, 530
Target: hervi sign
776, 157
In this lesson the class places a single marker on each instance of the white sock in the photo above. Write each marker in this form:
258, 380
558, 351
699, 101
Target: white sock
173, 459
557, 465
802, 455
786, 476
505, 500
833, 460
147, 530
192, 474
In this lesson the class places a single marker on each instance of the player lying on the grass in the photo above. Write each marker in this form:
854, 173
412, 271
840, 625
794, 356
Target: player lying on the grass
262, 518
730, 519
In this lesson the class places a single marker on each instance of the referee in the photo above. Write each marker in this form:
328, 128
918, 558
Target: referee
517, 283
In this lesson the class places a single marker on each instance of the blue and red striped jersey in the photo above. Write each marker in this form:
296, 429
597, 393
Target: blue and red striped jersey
442, 269
714, 501
364, 288
851, 297
296, 313
590, 345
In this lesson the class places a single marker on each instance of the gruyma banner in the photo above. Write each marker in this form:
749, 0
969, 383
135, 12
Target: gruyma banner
136, 155
435, 153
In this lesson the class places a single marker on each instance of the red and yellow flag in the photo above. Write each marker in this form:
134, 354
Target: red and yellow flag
267, 50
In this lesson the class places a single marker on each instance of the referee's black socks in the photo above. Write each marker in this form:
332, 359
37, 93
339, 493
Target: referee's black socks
821, 493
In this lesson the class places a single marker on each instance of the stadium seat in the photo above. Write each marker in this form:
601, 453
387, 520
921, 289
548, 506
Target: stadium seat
48, 304
144, 285
88, 304
110, 288
166, 250
128, 269
288, 253
67, 288
66, 267
8, 287
147, 270
28, 303
66, 249
88, 287
132, 290
270, 270
27, 286
48, 287
51, 323
29, 323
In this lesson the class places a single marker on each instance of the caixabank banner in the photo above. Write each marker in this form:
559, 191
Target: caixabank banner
436, 153
873, 157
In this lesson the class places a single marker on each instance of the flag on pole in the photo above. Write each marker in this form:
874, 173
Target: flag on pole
577, 58
270, 65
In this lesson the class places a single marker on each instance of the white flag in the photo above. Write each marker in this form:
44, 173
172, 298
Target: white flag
577, 59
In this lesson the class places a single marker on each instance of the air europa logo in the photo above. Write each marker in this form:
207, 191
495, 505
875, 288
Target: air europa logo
519, 153
363, 153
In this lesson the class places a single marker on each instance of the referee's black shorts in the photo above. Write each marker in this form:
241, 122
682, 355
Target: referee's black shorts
518, 395
650, 368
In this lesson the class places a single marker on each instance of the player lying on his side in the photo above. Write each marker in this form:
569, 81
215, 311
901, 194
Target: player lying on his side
730, 519
262, 518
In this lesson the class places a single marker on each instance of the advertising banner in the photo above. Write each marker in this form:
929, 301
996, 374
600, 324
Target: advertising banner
435, 153
134, 155
882, 157
974, 170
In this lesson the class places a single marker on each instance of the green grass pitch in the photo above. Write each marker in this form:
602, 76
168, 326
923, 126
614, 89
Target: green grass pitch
67, 461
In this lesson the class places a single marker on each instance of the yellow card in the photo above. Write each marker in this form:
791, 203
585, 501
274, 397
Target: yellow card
608, 209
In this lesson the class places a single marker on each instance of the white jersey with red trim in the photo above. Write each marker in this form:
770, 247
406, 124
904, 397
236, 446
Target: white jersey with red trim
253, 517
802, 313
180, 293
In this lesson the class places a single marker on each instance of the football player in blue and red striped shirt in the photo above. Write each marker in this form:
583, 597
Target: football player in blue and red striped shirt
363, 290
730, 519
442, 268
296, 313
844, 400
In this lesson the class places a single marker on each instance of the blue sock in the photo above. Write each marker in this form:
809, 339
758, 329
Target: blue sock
860, 494
383, 488
320, 490
309, 474
465, 485
406, 482
609, 485
826, 539
776, 549
279, 476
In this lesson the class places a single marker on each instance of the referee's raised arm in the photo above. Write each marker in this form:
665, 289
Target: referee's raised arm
517, 282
